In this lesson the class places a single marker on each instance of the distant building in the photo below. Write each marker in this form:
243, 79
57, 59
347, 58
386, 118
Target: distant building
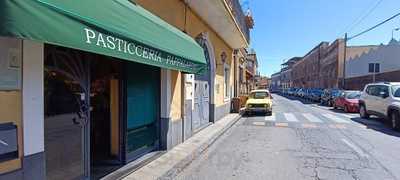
286, 72
378, 63
322, 67
275, 81
331, 63
306, 72
262, 82
251, 70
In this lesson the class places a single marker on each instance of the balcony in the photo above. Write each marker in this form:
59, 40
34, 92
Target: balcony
250, 69
245, 22
227, 18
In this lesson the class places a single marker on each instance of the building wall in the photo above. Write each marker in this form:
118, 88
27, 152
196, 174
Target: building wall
286, 77
331, 64
25, 109
275, 81
177, 14
11, 97
357, 74
359, 82
386, 56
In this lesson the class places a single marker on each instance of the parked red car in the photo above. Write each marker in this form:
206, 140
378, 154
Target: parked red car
348, 101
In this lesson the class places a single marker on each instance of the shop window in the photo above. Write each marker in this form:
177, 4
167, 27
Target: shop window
10, 105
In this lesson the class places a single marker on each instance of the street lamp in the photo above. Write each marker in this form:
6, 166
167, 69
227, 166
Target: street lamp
393, 30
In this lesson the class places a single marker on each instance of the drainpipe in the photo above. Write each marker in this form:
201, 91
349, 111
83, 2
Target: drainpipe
235, 90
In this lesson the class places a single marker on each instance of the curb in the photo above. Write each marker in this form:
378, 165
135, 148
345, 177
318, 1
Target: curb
169, 165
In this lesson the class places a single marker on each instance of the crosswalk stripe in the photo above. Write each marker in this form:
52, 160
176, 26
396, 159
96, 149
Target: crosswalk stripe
312, 118
335, 118
270, 118
350, 116
290, 117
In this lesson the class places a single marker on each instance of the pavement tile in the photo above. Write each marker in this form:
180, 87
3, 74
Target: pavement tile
172, 162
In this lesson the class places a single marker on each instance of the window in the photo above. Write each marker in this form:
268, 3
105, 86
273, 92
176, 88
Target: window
259, 95
376, 90
396, 91
377, 68
226, 81
383, 89
241, 78
353, 95
373, 90
374, 68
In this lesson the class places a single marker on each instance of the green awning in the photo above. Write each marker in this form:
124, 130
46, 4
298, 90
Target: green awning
116, 28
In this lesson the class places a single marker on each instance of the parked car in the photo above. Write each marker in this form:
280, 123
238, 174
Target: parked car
259, 101
316, 95
301, 92
328, 96
292, 91
348, 101
307, 94
383, 100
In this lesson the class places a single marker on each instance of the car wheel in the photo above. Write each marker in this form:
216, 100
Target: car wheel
395, 119
334, 106
363, 112
346, 109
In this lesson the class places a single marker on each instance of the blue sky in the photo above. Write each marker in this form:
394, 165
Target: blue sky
288, 28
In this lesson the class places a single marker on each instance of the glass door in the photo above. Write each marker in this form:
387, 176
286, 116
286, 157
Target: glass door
66, 114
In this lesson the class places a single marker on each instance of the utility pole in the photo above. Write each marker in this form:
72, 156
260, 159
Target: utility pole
344, 61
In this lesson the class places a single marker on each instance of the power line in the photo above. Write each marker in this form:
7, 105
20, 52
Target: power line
366, 15
360, 17
370, 29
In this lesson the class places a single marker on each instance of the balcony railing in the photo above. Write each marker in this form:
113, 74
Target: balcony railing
250, 69
240, 17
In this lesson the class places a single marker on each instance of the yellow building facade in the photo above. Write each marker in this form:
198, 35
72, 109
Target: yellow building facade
180, 15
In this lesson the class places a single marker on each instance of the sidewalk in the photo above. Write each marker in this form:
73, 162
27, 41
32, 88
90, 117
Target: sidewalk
168, 165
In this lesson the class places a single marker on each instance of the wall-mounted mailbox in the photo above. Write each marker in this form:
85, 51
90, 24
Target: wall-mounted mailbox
8, 142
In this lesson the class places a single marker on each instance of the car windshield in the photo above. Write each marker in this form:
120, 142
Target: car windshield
259, 95
335, 93
396, 91
353, 95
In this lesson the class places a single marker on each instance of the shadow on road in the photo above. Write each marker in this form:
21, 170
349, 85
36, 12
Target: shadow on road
341, 111
256, 114
377, 124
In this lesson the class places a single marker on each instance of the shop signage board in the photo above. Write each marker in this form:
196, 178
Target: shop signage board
116, 28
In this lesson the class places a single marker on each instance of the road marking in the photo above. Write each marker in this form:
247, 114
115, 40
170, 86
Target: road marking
270, 118
309, 126
312, 118
290, 117
355, 148
281, 124
335, 118
337, 126
349, 116
259, 123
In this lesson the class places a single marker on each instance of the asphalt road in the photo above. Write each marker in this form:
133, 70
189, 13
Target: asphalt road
301, 141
